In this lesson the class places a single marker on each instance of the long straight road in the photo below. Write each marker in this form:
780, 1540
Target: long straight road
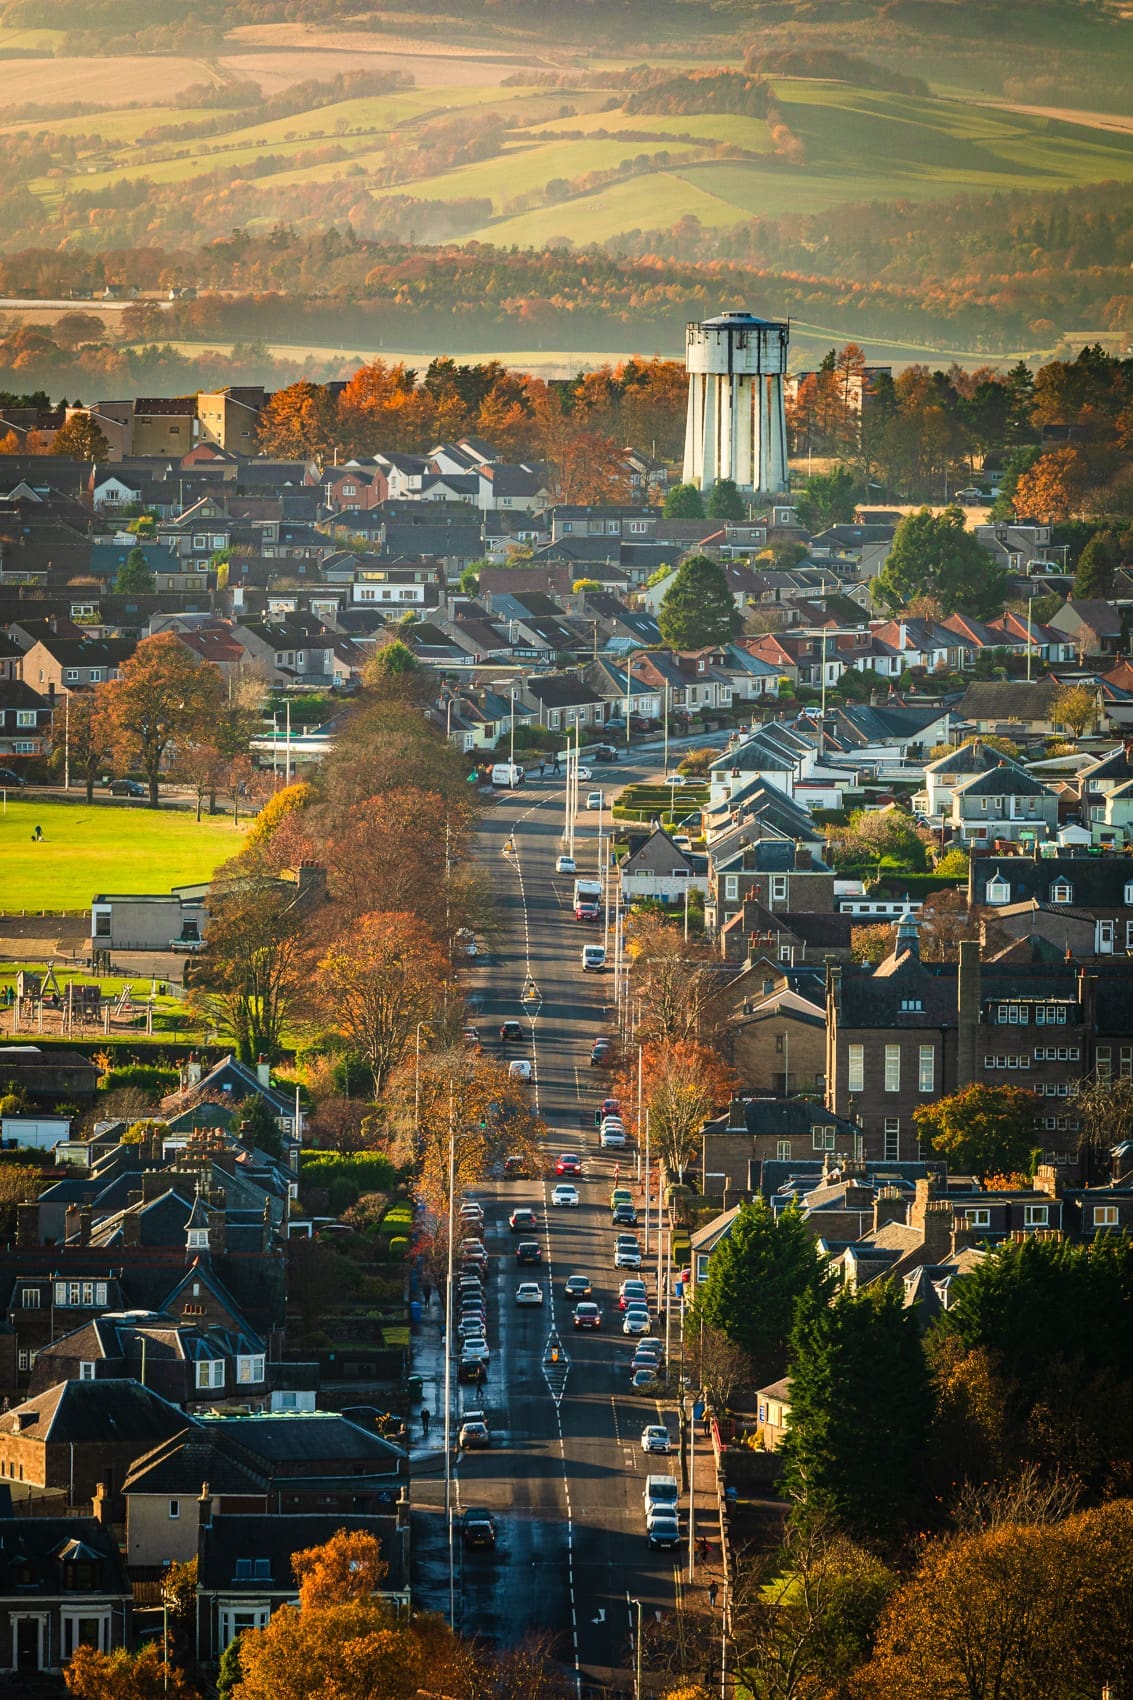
565, 1474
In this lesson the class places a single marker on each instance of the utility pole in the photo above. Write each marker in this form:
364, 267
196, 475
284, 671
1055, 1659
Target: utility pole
448, 1361
1030, 630
67, 742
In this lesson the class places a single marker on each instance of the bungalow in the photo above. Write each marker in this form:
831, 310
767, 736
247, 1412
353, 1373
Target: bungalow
1010, 706
562, 701
662, 871
773, 1410
1092, 625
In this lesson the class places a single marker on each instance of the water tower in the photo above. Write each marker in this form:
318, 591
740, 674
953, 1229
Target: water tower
737, 421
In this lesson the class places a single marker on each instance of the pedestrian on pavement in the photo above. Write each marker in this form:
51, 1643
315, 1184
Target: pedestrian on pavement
702, 1550
707, 1426
425, 1421
713, 1591
426, 1294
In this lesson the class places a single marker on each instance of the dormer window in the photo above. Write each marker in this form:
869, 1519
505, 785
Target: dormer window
198, 1239
1062, 892
998, 890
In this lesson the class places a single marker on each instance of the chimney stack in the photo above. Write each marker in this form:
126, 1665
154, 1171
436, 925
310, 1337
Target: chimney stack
888, 1206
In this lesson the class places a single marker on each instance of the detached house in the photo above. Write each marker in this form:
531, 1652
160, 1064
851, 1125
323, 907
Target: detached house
1003, 803
1093, 626
25, 719
662, 871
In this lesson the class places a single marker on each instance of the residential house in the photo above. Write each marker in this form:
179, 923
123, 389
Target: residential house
777, 1043
1006, 802
946, 773
1092, 625
61, 1445
783, 875
758, 1129
63, 1585
1098, 888
1013, 547
1010, 707
773, 1412
195, 1367
25, 720
519, 489
58, 666
660, 870
49, 1076
562, 701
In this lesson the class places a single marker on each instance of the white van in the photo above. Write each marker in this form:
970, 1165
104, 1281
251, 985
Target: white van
594, 957
505, 774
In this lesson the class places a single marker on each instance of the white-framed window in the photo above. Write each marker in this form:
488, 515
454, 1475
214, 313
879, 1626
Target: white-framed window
891, 1135
893, 1068
86, 1370
1061, 891
198, 1239
1103, 1062
1050, 1015
71, 675
778, 888
27, 1360
30, 1298
731, 887
24, 747
912, 1006
86, 1629
783, 1150
822, 1138
855, 1068
234, 1619
1036, 1215
25, 717
250, 1367
978, 1216
210, 1372
926, 1068
1105, 1215
1129, 894
95, 676
174, 1508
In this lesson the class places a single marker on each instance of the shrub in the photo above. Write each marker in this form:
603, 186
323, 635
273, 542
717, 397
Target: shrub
151, 1078
398, 1246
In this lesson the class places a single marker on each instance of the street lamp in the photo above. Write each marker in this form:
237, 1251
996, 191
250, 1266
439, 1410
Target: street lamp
637, 1653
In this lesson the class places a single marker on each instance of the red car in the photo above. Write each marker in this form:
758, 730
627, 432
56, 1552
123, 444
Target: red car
587, 1316
586, 911
569, 1164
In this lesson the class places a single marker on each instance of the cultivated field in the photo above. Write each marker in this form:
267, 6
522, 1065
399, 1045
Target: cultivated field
107, 847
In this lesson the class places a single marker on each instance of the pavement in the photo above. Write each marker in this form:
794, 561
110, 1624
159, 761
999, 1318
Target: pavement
565, 1474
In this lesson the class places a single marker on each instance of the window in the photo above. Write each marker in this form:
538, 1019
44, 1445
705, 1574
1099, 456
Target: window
102, 925
926, 1069
1104, 1062
1105, 1215
86, 1630
25, 717
198, 1239
1062, 892
95, 676
783, 1150
72, 675
175, 1508
822, 1138
86, 1370
1129, 894
30, 1298
210, 1372
24, 748
855, 1068
27, 1360
1125, 1065
1050, 1015
910, 1006
235, 1619
250, 1368
778, 888
1036, 1215
731, 886
978, 1218
893, 1068
892, 1139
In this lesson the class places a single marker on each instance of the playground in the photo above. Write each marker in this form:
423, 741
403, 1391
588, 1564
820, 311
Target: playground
58, 1002
86, 849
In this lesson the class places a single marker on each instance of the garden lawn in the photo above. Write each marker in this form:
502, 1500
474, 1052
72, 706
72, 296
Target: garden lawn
104, 848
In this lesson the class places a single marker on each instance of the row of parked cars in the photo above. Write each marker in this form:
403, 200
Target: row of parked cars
470, 1320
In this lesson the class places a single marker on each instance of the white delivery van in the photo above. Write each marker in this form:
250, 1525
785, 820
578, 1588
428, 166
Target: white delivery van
507, 773
594, 956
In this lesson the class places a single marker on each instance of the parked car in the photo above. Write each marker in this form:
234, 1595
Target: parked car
587, 1316
601, 1052
594, 799
608, 1106
632, 1288
665, 1530
515, 1168
675, 779
644, 1381
636, 1320
478, 1527
624, 1216
627, 1257
14, 780
470, 1368
127, 788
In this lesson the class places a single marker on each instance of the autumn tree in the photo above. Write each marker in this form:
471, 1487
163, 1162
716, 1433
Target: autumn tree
981, 1129
698, 608
872, 942
299, 422
673, 977
878, 836
491, 1114
382, 408
123, 1675
935, 555
756, 1275
253, 968
81, 438
1076, 708
377, 982
161, 693
83, 731
683, 1083
1054, 487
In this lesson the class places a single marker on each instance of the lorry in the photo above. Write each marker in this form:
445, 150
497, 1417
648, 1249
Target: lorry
506, 774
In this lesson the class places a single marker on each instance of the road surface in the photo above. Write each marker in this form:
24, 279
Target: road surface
565, 1474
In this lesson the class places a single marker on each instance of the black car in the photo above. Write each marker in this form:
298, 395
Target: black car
624, 1216
478, 1527
126, 788
8, 778
529, 1251
605, 752
510, 1032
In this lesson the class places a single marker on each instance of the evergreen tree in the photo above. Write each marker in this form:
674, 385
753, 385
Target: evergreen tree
134, 577
755, 1276
935, 555
258, 1126
829, 499
697, 609
725, 501
860, 1409
1097, 564
684, 501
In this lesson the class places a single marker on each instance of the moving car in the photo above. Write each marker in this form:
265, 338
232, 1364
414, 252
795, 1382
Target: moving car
565, 865
646, 1360
613, 1136
620, 1195
627, 1257
594, 799
664, 1530
10, 779
510, 1032
471, 1035
593, 958
644, 1381
519, 1069
625, 1215
515, 1168
632, 1288
470, 1368
636, 1321
656, 1438
577, 1287
478, 1528
565, 1195
568, 1163
587, 1316
605, 752
522, 1217
601, 1052
585, 773
528, 1251
478, 1345
586, 912
529, 1293
471, 1211
675, 779
473, 1434
608, 1106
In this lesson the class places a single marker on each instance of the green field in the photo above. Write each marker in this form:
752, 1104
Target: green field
106, 847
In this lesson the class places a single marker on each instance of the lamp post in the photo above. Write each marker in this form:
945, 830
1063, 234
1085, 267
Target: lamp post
448, 1360
637, 1652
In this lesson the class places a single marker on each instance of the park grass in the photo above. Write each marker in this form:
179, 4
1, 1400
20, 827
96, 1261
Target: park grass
103, 848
